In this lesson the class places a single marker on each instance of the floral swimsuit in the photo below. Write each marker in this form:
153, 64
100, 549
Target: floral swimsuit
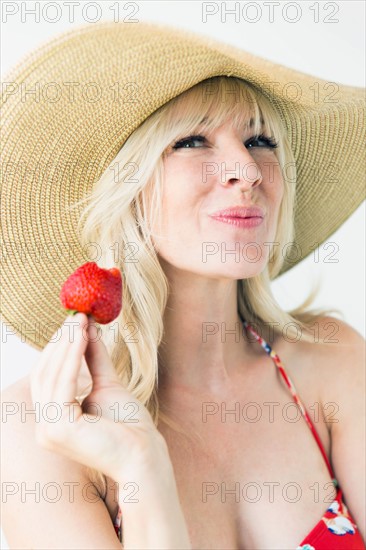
336, 530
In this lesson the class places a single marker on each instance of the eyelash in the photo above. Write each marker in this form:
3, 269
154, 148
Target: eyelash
271, 143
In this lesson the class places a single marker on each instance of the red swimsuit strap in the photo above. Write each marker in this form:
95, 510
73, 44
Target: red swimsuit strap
294, 393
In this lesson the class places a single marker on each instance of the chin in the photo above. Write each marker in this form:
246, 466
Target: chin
231, 270
245, 271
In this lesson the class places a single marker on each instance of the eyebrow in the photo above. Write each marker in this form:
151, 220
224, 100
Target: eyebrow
251, 122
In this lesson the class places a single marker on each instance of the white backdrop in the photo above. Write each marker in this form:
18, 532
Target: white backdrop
324, 39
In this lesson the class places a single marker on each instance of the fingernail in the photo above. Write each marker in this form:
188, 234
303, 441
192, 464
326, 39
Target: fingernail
73, 317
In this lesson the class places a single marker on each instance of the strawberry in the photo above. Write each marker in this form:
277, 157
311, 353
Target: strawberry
94, 291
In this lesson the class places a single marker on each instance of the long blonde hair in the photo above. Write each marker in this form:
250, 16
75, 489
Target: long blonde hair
127, 198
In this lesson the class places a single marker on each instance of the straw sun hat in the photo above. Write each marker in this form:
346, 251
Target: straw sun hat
68, 108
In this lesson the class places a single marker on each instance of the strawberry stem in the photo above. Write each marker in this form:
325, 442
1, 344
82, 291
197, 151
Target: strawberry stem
72, 311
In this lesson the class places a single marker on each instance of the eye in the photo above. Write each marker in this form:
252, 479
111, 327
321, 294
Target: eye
268, 142
186, 142
262, 140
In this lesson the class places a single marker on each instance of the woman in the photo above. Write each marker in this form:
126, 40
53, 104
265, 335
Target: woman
193, 439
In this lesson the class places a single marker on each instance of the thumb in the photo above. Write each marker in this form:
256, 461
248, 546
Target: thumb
96, 354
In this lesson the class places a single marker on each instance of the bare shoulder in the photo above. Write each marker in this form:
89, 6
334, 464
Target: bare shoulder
336, 352
331, 371
14, 398
339, 332
341, 360
19, 417
45, 488
343, 387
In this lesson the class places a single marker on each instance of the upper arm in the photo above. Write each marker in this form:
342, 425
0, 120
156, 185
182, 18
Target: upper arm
345, 386
47, 499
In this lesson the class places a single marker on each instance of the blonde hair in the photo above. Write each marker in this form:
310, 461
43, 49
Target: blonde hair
124, 202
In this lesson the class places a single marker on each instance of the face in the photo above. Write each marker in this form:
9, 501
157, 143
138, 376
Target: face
216, 170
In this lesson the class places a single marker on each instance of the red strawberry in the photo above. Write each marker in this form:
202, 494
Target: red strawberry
94, 291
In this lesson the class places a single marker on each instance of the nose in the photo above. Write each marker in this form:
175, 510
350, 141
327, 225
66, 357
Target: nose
238, 167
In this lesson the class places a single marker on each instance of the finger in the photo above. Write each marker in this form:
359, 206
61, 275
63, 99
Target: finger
97, 357
53, 386
51, 358
66, 379
56, 368
54, 342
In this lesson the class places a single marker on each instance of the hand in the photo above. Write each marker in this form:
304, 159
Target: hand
93, 433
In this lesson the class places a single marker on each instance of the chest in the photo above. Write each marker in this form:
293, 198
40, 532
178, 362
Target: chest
249, 472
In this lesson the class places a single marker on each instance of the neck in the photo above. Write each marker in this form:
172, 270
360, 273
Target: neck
205, 342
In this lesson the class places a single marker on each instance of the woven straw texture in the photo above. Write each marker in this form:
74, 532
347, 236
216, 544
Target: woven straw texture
58, 140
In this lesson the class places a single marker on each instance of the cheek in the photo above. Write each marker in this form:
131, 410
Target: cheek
279, 185
272, 182
275, 189
178, 199
182, 185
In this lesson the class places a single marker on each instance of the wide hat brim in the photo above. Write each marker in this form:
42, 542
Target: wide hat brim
70, 105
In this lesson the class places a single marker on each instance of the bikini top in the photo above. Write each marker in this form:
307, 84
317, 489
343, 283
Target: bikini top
336, 529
